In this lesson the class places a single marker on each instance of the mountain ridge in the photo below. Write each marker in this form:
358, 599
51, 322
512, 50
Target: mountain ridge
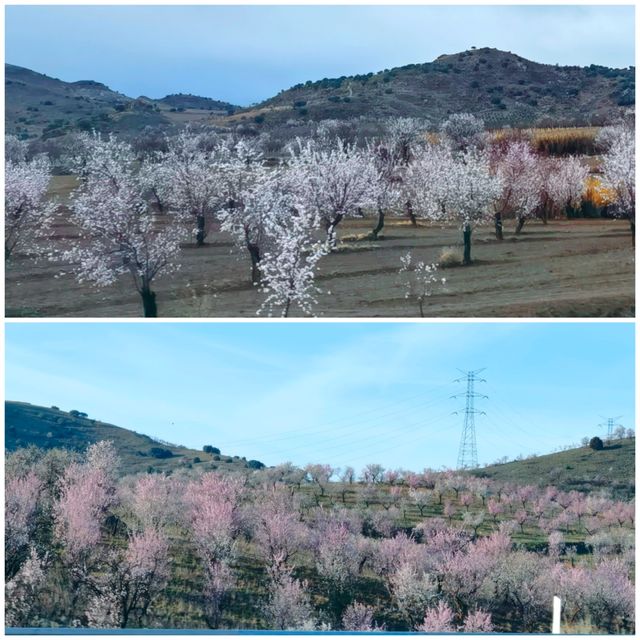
503, 88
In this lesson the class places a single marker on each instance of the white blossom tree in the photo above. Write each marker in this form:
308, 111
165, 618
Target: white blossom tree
254, 195
119, 232
521, 181
192, 182
566, 183
419, 279
334, 182
289, 266
619, 173
454, 186
27, 209
462, 131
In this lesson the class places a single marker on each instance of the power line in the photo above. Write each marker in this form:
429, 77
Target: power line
468, 452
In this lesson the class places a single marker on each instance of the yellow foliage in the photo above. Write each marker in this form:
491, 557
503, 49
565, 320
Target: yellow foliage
598, 194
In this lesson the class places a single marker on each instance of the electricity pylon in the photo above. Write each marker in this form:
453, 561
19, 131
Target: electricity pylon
610, 424
468, 452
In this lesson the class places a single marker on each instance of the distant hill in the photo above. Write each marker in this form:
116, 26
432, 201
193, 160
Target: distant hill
189, 101
50, 427
581, 469
499, 86
37, 105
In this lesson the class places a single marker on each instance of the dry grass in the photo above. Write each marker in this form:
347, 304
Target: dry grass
450, 257
556, 141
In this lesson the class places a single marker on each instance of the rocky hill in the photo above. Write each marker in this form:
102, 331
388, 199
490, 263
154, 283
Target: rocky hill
499, 86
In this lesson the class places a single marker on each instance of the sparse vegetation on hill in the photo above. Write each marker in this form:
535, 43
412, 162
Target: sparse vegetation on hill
582, 469
501, 87
47, 428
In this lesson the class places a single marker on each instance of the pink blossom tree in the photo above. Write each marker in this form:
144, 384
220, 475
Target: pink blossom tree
438, 619
359, 617
20, 510
289, 606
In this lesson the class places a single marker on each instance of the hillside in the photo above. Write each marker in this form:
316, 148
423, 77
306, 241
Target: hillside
37, 105
581, 469
499, 86
50, 427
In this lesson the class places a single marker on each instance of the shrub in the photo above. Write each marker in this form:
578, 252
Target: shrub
259, 119
450, 257
299, 103
596, 444
159, 452
196, 460
209, 449
255, 464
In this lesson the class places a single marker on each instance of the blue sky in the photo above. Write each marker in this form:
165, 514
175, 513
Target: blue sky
245, 54
340, 393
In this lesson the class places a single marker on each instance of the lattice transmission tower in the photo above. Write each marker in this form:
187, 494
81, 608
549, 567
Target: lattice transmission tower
610, 425
468, 452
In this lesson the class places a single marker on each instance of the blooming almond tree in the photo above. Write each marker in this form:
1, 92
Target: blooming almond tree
20, 509
419, 279
462, 131
521, 183
193, 182
119, 232
619, 173
334, 182
27, 209
566, 184
289, 266
472, 191
254, 195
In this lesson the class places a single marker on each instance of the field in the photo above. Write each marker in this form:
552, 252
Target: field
565, 268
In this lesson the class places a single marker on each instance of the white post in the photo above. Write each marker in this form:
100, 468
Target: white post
555, 625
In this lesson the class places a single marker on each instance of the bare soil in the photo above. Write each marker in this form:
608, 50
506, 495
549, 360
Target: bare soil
568, 268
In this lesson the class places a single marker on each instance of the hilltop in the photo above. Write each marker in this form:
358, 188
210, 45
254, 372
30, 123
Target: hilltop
501, 87
51, 427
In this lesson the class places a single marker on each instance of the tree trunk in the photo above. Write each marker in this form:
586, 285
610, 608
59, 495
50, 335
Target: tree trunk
287, 306
498, 223
466, 236
200, 232
254, 252
412, 216
521, 221
632, 224
379, 226
331, 231
149, 302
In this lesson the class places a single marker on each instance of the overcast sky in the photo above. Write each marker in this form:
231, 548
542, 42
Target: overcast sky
340, 393
244, 54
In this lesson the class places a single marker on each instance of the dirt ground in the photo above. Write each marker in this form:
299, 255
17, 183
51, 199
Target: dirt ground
576, 268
